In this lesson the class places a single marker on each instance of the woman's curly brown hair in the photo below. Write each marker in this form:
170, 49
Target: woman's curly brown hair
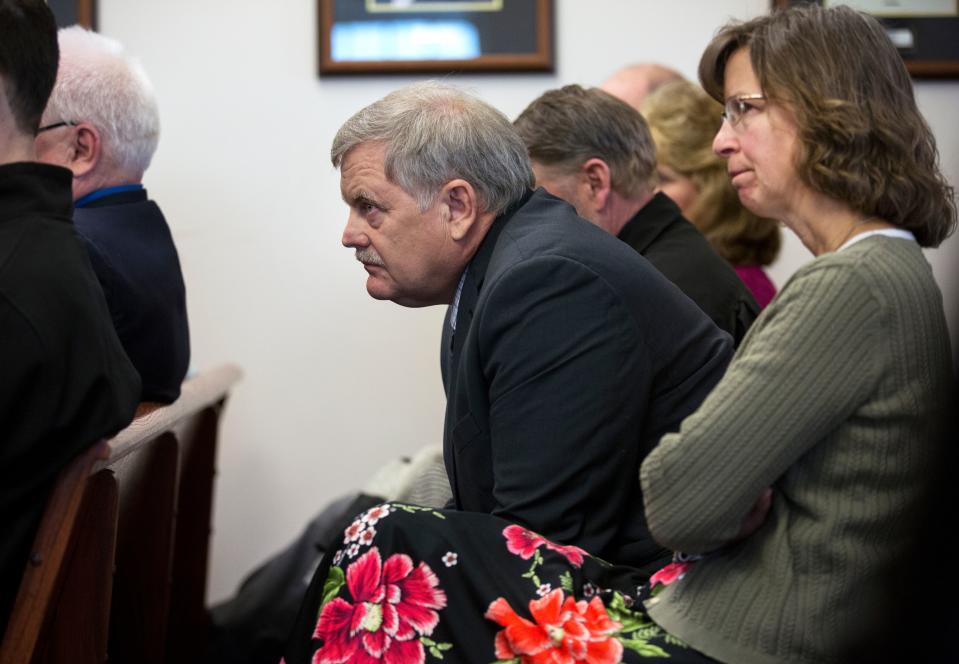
683, 121
864, 141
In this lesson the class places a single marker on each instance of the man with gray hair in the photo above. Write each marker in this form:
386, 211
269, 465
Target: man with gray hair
565, 356
102, 123
596, 152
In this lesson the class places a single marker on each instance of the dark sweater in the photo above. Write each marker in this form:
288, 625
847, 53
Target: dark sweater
66, 381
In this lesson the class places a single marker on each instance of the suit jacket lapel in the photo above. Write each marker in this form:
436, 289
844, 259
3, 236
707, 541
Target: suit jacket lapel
453, 341
464, 318
446, 340
475, 275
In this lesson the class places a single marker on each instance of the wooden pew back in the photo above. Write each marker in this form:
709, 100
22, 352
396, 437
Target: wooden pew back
126, 519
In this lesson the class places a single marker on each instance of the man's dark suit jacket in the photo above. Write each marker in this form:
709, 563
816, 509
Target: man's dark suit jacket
677, 249
137, 264
572, 356
65, 381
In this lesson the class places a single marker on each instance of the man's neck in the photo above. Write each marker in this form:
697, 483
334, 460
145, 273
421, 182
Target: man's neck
621, 209
15, 147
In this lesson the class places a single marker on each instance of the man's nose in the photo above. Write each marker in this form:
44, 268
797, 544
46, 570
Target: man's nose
353, 235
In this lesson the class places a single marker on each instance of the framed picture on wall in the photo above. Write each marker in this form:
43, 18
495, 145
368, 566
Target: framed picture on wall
70, 12
434, 36
926, 32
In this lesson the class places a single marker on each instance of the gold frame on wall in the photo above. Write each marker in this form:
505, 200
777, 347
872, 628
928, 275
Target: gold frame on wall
539, 60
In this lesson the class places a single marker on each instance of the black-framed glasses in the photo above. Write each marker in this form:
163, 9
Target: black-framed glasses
736, 107
56, 125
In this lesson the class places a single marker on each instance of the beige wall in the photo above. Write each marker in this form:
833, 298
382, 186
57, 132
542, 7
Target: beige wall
336, 384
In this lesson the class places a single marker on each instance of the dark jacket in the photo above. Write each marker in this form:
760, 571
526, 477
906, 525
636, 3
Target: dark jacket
677, 249
132, 253
66, 381
572, 356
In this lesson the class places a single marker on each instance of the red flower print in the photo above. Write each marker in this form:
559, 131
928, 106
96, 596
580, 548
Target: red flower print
564, 631
573, 554
669, 574
524, 543
393, 603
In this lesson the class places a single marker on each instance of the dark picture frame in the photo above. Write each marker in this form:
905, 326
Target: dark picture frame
73, 12
929, 45
501, 36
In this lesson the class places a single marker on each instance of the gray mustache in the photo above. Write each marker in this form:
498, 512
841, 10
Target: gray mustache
369, 256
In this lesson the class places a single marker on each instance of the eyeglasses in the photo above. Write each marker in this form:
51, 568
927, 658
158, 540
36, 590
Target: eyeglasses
736, 107
56, 125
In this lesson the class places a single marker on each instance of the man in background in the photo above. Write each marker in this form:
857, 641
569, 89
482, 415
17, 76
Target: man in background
65, 381
596, 152
102, 123
633, 83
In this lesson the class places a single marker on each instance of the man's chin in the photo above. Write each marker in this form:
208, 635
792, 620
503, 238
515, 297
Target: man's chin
379, 290
377, 293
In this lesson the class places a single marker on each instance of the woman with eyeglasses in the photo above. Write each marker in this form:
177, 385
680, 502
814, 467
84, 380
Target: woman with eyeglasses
795, 485
800, 477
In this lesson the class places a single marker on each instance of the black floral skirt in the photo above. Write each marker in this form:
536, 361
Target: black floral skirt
411, 584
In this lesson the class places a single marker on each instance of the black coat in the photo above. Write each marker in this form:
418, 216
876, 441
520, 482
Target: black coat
677, 249
572, 356
65, 381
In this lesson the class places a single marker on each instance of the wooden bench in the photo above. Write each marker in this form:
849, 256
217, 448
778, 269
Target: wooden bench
119, 561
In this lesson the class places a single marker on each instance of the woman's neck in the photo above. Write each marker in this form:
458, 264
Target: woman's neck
824, 224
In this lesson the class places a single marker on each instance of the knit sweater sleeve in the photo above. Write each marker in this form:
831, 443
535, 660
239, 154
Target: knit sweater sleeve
804, 368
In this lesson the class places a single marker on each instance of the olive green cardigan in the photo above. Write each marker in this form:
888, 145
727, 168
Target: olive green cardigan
830, 400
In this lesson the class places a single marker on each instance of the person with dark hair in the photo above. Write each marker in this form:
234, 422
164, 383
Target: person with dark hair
66, 380
595, 151
797, 483
103, 124
683, 120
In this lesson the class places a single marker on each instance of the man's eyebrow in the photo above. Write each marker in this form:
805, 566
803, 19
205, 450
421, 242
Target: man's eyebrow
361, 197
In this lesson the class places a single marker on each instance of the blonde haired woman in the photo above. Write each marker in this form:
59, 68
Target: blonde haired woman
683, 120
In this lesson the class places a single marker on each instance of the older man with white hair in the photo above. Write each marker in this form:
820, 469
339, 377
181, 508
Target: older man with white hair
102, 123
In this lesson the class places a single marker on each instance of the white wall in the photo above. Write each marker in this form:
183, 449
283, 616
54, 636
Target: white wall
336, 383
